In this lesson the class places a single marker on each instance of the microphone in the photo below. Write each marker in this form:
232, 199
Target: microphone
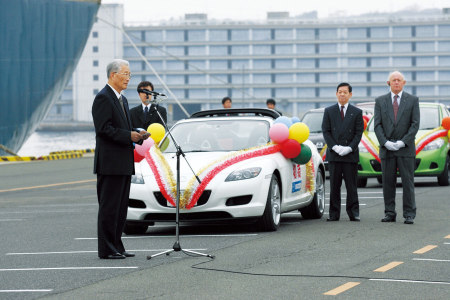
148, 92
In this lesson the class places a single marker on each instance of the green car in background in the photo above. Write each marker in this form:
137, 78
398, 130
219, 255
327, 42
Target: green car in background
432, 147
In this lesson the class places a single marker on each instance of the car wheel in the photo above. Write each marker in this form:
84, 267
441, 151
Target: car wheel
131, 229
380, 179
270, 220
361, 182
443, 177
316, 208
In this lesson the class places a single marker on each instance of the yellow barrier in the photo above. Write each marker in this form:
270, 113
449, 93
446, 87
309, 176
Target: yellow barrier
17, 158
61, 156
67, 154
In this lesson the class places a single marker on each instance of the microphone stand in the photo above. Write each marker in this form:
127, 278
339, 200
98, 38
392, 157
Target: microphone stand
176, 246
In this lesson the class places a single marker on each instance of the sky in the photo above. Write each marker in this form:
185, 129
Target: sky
145, 10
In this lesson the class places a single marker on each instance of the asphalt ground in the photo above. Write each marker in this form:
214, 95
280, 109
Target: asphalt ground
48, 246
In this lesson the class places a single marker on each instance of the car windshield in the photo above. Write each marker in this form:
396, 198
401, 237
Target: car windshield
217, 135
429, 118
314, 121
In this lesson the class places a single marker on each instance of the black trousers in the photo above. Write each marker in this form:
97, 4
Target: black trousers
347, 171
405, 166
113, 193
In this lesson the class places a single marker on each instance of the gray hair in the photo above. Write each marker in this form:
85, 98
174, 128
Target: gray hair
115, 66
396, 73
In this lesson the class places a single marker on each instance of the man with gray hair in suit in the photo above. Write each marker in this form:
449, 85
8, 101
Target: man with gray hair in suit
396, 121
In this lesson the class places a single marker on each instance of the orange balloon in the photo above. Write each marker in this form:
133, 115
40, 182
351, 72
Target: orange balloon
446, 123
365, 124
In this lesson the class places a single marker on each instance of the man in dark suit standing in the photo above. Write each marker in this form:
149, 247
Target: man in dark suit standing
396, 121
113, 161
145, 114
342, 127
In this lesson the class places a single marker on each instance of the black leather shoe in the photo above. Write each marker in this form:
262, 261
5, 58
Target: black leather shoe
409, 220
332, 219
355, 219
128, 254
113, 256
388, 219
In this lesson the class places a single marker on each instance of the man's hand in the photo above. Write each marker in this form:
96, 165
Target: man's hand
399, 144
145, 134
337, 149
135, 137
391, 146
345, 150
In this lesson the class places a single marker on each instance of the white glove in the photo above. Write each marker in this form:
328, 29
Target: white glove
391, 146
337, 149
399, 144
345, 150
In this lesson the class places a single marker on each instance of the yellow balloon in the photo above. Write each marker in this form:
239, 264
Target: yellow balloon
299, 131
448, 133
157, 132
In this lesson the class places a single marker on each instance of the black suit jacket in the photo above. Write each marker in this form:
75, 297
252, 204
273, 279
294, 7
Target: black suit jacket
138, 116
345, 132
404, 129
114, 148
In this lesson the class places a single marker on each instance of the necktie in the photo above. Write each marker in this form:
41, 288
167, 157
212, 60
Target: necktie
146, 113
123, 107
342, 112
395, 105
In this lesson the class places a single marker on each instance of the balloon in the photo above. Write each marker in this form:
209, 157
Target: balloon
365, 124
366, 117
446, 123
157, 132
164, 144
290, 148
448, 134
279, 133
295, 120
304, 156
299, 132
283, 119
146, 145
137, 157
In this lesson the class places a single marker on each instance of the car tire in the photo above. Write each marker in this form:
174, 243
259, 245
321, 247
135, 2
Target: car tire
131, 229
380, 179
316, 208
444, 177
361, 182
270, 220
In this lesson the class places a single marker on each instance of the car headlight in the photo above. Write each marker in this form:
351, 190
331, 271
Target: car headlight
436, 144
362, 149
243, 174
137, 179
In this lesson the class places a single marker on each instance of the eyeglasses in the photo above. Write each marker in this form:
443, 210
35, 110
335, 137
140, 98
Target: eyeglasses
125, 74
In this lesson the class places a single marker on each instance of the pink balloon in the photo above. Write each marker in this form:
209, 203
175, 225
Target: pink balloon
279, 133
146, 145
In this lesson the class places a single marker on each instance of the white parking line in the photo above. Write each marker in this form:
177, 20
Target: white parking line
25, 291
432, 259
361, 193
10, 220
410, 281
343, 204
90, 251
67, 268
172, 236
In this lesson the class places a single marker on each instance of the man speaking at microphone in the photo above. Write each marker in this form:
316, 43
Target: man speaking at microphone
145, 114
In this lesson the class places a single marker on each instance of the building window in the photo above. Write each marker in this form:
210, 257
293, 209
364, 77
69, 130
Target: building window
305, 34
425, 46
401, 47
95, 77
218, 35
283, 34
402, 32
328, 34
95, 49
425, 61
357, 48
261, 34
379, 32
197, 35
153, 36
218, 50
95, 34
425, 31
95, 63
261, 49
174, 35
356, 33
239, 35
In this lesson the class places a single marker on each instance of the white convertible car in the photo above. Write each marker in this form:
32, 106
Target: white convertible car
229, 170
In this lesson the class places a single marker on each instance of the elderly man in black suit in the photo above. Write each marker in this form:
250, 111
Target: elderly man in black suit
342, 127
396, 121
145, 114
113, 161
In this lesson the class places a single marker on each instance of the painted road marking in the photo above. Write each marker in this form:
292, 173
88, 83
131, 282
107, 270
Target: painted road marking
432, 259
89, 251
425, 249
388, 266
342, 288
411, 281
67, 268
24, 291
47, 185
184, 235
